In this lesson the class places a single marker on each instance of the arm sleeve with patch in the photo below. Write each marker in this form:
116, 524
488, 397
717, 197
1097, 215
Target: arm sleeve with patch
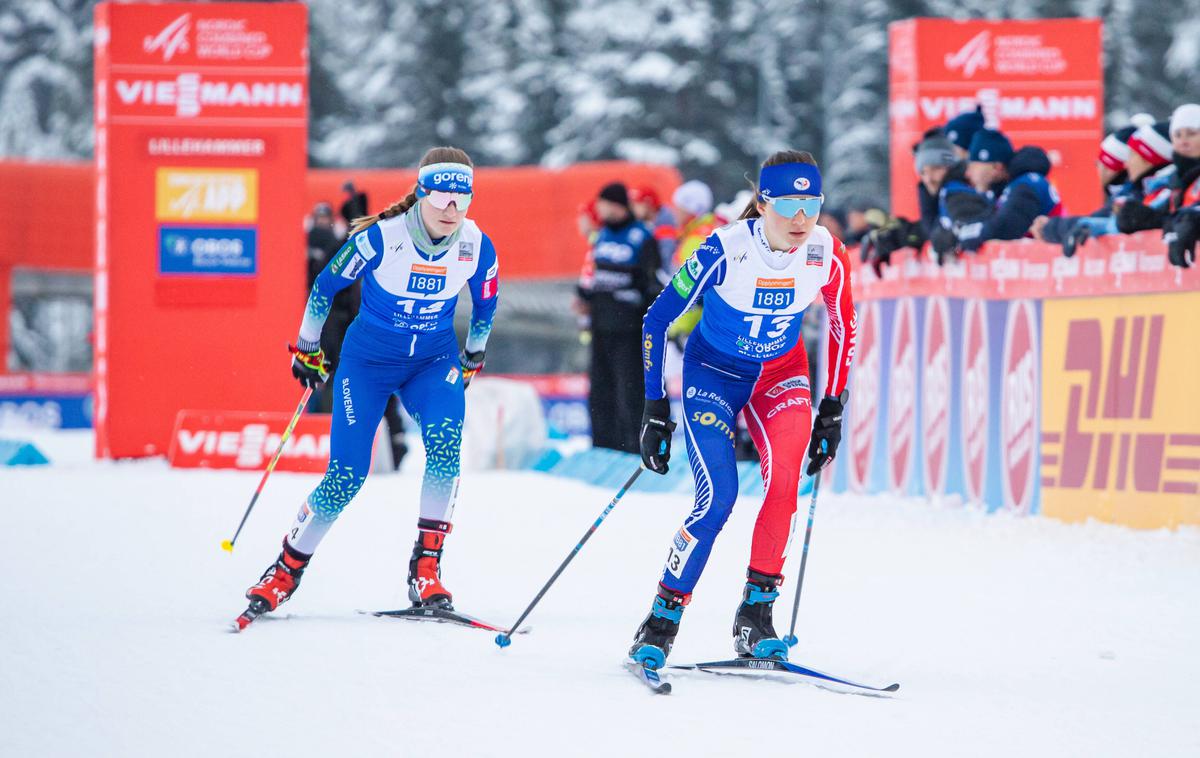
360, 253
843, 321
485, 296
703, 270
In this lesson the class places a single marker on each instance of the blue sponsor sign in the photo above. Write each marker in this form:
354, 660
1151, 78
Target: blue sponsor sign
224, 250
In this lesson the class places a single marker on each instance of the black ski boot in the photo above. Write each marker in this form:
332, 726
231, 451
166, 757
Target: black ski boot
753, 632
655, 637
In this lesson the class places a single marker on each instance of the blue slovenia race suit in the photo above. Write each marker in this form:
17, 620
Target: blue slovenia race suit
402, 342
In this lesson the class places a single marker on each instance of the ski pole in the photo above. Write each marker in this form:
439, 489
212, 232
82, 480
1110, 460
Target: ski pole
790, 639
227, 545
504, 639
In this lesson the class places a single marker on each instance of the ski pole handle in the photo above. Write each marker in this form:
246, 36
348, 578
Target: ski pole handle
227, 545
791, 639
504, 639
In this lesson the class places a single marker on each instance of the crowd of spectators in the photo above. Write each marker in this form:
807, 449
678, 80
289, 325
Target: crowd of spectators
974, 186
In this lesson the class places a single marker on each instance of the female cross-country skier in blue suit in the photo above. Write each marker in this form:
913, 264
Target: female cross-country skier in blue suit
757, 276
413, 258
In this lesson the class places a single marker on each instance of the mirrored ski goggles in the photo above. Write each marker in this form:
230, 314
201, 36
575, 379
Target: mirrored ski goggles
440, 200
788, 207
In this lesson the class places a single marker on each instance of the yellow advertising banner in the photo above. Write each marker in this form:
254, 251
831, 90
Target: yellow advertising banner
1120, 418
206, 194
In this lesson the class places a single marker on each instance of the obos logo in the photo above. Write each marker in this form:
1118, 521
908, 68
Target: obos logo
864, 411
802, 183
935, 393
1019, 406
902, 389
974, 409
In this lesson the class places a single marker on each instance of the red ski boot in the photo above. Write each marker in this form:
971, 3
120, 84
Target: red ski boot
277, 584
425, 588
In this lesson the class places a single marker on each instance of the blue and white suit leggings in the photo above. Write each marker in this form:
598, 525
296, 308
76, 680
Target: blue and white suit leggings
431, 389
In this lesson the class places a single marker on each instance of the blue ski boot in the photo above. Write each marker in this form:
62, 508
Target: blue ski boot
753, 631
654, 638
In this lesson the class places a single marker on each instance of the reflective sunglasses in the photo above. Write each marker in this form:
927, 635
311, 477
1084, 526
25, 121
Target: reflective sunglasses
439, 199
788, 207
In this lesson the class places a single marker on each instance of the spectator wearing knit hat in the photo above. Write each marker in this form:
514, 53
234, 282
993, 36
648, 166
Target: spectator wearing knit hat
1151, 168
935, 161
1014, 182
960, 129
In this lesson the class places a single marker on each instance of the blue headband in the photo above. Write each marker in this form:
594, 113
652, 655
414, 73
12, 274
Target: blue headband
446, 177
789, 179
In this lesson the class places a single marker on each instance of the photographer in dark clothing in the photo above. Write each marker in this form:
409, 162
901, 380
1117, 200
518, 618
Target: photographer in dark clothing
618, 284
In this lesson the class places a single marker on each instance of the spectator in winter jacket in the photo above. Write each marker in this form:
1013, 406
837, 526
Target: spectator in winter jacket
1015, 186
1183, 225
960, 129
619, 282
1134, 163
935, 160
1150, 167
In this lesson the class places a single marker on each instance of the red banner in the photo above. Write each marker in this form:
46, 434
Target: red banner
247, 441
1040, 82
1118, 264
201, 145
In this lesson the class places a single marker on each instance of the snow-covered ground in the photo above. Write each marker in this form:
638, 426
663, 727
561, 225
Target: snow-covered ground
1009, 636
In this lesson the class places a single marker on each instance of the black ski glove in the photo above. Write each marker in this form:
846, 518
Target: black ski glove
311, 369
472, 364
826, 434
655, 439
1078, 234
1181, 236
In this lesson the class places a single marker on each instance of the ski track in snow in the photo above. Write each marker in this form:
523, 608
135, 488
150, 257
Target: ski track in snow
1009, 636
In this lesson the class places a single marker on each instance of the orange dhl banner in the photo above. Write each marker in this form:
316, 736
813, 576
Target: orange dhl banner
246, 441
1120, 422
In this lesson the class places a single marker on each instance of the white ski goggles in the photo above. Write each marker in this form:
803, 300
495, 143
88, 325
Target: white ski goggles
441, 200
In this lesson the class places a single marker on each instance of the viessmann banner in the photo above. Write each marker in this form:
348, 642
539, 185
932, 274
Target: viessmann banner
201, 126
1041, 82
1025, 397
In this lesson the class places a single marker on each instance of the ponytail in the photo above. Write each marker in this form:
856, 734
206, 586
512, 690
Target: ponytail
395, 209
777, 158
431, 156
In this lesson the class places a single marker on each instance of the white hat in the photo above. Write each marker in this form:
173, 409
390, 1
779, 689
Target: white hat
1186, 116
694, 198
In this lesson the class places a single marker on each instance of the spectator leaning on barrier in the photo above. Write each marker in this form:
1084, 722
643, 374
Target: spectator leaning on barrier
1013, 186
620, 281
936, 162
1126, 174
1183, 225
1150, 168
